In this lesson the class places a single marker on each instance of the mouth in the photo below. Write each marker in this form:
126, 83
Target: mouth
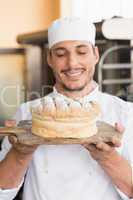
73, 73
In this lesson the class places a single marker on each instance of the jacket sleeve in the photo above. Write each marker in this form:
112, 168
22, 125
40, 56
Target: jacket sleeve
21, 114
127, 150
7, 194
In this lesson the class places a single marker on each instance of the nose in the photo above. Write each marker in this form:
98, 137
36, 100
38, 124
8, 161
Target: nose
72, 60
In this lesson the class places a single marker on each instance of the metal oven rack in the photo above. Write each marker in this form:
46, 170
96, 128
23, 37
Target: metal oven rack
104, 66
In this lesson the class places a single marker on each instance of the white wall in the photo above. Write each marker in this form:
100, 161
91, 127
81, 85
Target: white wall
65, 8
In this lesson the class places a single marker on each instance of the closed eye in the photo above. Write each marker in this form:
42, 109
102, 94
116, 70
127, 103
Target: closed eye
82, 52
60, 52
59, 55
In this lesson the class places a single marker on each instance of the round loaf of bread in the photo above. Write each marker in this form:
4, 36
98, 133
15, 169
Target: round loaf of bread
57, 118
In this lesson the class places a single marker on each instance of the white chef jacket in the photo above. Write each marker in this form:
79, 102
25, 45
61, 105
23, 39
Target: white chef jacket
68, 172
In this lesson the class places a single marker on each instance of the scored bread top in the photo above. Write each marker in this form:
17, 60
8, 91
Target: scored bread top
58, 108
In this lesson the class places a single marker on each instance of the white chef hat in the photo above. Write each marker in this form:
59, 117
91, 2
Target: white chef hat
71, 28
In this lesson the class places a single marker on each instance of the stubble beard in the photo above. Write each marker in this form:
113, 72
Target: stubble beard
65, 88
68, 89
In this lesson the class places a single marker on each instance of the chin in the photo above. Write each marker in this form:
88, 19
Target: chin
74, 88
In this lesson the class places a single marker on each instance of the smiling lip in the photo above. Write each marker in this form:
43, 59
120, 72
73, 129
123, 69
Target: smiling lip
73, 73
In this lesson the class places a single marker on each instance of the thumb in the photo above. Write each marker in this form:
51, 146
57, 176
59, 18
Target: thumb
13, 139
119, 127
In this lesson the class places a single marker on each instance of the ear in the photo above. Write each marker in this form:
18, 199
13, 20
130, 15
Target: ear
96, 51
49, 61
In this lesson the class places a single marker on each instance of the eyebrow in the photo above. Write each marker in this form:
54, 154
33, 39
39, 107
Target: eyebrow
82, 46
58, 48
63, 48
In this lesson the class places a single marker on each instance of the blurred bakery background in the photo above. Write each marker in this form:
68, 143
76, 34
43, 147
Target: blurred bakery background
24, 73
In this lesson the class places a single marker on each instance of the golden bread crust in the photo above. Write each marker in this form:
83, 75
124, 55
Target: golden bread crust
73, 122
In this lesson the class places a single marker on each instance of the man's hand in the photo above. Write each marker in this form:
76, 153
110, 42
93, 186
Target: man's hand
116, 167
18, 147
17, 159
101, 151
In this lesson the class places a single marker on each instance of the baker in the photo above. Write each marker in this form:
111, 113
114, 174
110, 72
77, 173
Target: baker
72, 172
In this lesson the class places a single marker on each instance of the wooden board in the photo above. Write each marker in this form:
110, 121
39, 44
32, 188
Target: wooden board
24, 135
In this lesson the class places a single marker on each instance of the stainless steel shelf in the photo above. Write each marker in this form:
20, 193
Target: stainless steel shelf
103, 67
116, 81
118, 66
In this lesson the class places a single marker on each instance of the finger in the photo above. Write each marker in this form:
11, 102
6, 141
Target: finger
9, 123
13, 139
103, 146
90, 147
116, 142
119, 127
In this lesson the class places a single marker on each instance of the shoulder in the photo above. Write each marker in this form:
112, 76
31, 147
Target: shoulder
115, 107
114, 101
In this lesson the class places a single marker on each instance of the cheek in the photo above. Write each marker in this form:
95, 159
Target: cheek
57, 68
89, 65
91, 70
59, 65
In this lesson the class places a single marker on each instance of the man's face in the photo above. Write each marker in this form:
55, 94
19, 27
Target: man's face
73, 64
